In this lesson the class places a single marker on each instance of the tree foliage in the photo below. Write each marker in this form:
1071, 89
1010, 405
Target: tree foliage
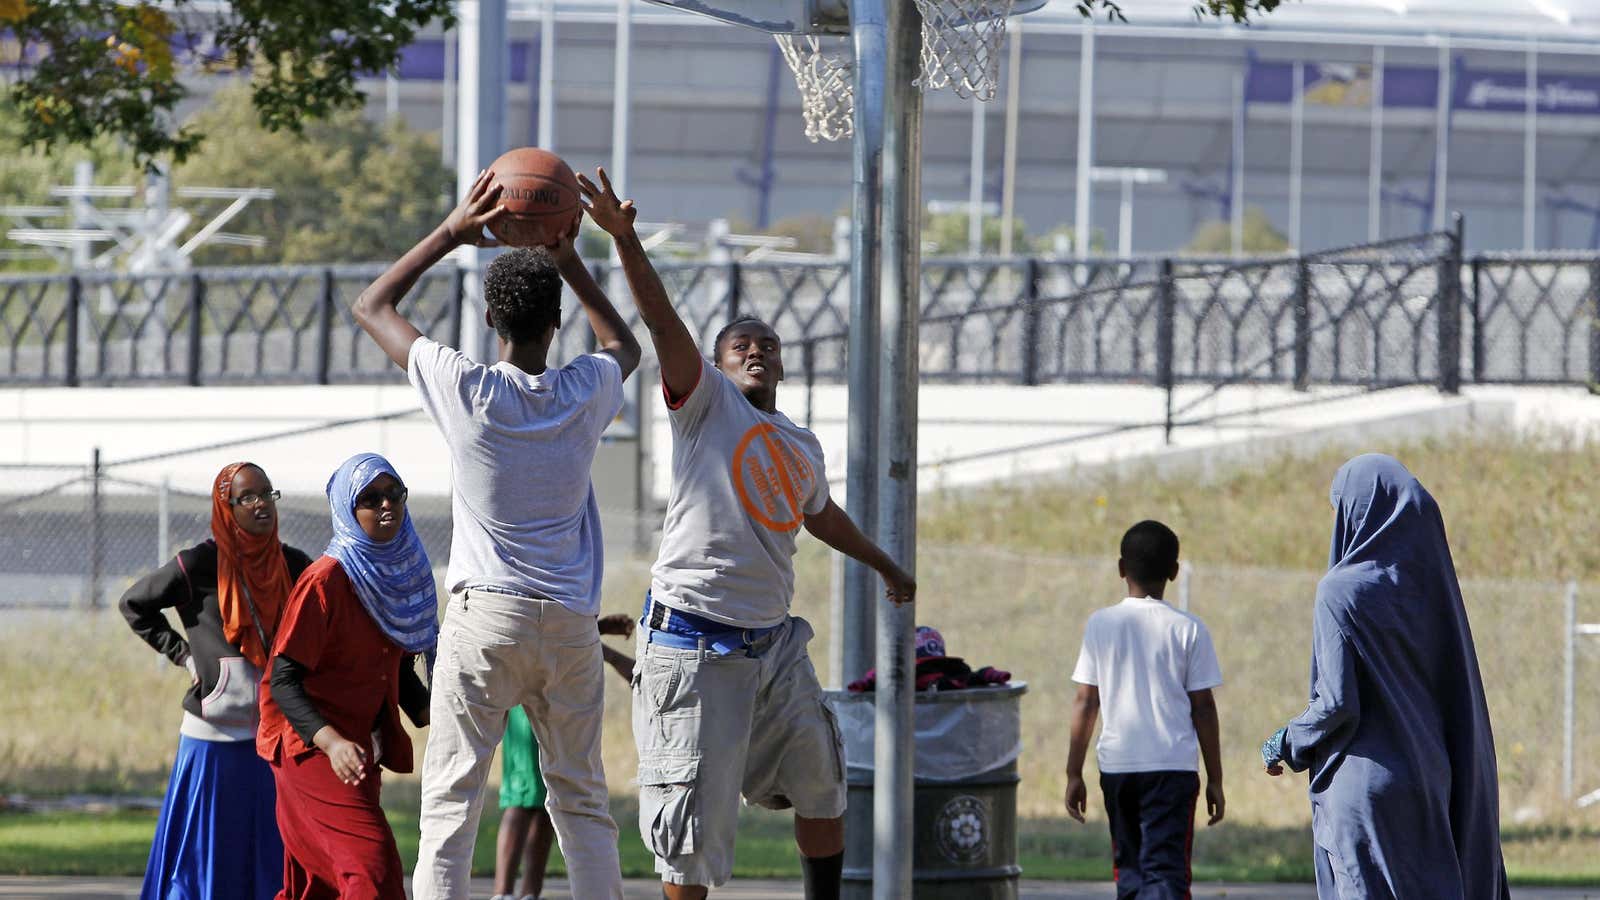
113, 67
1215, 237
1234, 10
348, 189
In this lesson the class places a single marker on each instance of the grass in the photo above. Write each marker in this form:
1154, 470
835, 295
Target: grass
1009, 574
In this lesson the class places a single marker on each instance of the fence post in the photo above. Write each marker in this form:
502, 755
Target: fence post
163, 519
735, 290
74, 328
1302, 325
1570, 640
1478, 357
808, 358
325, 328
1166, 312
96, 563
1030, 322
458, 303
197, 302
1450, 307
1594, 328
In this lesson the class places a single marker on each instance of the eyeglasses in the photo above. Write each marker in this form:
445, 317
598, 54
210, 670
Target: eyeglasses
374, 499
254, 499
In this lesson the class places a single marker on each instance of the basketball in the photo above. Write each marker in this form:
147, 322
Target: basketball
540, 195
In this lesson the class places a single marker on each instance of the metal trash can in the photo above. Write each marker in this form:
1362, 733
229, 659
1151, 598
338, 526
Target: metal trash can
965, 800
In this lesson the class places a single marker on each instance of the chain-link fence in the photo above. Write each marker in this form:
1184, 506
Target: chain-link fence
1019, 611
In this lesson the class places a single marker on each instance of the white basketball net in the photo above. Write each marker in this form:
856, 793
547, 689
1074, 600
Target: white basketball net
961, 45
960, 48
825, 79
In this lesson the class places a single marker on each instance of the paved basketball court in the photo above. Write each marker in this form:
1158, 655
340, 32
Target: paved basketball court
125, 888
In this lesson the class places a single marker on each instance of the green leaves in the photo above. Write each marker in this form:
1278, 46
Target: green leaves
1236, 10
103, 67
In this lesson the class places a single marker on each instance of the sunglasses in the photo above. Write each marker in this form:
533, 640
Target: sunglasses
373, 499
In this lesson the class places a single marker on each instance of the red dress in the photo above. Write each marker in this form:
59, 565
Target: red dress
337, 842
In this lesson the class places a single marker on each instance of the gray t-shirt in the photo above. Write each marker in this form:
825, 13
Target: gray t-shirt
523, 511
743, 482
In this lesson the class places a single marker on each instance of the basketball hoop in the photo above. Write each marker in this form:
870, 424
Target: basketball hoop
961, 45
824, 76
960, 48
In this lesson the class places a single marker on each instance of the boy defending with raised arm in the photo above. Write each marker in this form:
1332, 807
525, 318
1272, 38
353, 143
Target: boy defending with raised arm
1151, 669
725, 699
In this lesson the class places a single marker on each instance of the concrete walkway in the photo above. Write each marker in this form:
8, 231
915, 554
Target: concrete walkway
127, 888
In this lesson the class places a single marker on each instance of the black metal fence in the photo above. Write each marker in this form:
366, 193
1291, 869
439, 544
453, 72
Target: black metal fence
1407, 311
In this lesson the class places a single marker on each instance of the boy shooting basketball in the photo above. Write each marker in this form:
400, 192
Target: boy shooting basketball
726, 701
525, 548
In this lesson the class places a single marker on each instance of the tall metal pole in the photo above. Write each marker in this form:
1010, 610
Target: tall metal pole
1008, 188
1125, 218
1530, 149
869, 33
894, 750
447, 140
481, 135
1441, 144
1297, 127
1080, 218
547, 77
975, 182
621, 97
1236, 194
1375, 158
391, 97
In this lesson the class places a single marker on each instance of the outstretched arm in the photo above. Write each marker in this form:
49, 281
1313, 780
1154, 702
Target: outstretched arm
833, 527
376, 310
675, 348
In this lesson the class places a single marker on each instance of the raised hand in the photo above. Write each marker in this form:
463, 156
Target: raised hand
481, 206
610, 213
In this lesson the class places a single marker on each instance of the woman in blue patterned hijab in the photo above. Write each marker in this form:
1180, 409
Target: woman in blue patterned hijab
392, 577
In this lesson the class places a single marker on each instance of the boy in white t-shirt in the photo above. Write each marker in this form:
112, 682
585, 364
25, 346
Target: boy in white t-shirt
1151, 668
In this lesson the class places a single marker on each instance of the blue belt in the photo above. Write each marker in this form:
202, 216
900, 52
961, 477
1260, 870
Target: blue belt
686, 631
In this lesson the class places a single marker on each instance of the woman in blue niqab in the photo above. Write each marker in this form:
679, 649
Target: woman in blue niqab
1404, 791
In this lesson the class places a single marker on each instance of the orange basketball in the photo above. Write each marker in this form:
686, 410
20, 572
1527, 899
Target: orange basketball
540, 195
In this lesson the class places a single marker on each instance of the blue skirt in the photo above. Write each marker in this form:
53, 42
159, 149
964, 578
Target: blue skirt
217, 838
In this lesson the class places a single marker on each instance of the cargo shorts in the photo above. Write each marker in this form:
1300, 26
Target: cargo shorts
713, 727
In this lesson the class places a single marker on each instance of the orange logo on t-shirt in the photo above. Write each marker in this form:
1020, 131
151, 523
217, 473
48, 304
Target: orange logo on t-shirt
772, 478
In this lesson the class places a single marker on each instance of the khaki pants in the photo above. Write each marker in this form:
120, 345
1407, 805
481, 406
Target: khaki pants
496, 652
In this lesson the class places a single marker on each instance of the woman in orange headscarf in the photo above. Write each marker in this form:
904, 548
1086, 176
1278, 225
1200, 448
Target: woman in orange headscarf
213, 841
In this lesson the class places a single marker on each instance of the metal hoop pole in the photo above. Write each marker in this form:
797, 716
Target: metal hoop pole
867, 24
895, 751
